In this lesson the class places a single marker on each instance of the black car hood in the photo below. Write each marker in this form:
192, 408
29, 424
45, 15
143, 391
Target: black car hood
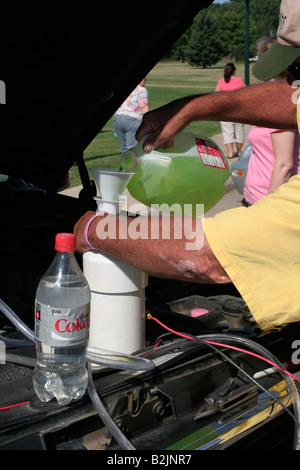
66, 69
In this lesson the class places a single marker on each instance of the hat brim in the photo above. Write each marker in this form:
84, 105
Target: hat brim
274, 61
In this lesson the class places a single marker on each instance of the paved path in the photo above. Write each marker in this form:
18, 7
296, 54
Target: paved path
231, 198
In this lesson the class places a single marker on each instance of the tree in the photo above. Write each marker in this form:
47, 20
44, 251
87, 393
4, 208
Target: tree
204, 48
225, 23
177, 52
230, 17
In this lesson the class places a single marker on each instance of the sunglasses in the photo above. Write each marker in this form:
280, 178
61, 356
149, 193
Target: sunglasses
294, 71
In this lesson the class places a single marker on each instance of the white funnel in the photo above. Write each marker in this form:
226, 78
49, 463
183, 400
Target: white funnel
111, 183
111, 207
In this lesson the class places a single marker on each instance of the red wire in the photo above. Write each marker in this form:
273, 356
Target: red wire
13, 406
150, 317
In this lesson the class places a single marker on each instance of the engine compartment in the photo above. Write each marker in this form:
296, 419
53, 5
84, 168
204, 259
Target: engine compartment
195, 395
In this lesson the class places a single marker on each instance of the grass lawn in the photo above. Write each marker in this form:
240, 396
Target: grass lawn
167, 81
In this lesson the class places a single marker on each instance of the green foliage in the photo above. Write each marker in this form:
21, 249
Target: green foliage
225, 23
263, 20
178, 50
231, 24
204, 48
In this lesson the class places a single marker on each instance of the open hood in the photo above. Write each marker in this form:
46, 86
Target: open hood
67, 67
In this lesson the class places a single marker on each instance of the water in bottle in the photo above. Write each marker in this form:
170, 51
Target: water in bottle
190, 173
61, 327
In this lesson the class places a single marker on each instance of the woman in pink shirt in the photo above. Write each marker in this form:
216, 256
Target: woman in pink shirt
274, 159
233, 132
276, 153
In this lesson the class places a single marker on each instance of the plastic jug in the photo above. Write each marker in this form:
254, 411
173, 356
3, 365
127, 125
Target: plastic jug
191, 173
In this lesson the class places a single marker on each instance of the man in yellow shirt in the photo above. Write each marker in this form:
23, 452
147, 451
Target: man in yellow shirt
256, 248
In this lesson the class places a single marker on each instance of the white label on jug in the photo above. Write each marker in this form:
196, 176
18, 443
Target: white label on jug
61, 327
210, 154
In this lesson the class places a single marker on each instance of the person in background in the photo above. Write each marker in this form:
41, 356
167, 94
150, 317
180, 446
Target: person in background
129, 116
233, 132
276, 152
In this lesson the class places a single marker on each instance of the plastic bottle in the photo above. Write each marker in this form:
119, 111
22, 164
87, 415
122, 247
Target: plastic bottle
62, 308
190, 173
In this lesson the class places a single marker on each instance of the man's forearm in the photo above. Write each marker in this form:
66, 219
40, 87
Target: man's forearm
267, 105
154, 251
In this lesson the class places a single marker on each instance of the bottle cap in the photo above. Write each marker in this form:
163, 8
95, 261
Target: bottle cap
65, 242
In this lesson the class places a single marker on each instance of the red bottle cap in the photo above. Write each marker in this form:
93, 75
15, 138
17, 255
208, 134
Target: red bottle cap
65, 242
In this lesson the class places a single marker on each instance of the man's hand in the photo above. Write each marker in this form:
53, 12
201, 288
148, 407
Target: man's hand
163, 124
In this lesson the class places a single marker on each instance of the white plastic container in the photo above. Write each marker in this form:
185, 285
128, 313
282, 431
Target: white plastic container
192, 172
117, 317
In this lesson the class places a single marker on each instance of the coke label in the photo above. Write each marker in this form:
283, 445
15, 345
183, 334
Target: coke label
61, 327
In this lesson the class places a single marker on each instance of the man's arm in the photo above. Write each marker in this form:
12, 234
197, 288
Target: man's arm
165, 257
266, 105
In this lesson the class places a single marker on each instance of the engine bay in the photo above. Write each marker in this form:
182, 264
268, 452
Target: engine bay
193, 386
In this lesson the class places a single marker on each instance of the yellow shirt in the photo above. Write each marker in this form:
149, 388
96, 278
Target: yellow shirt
259, 248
